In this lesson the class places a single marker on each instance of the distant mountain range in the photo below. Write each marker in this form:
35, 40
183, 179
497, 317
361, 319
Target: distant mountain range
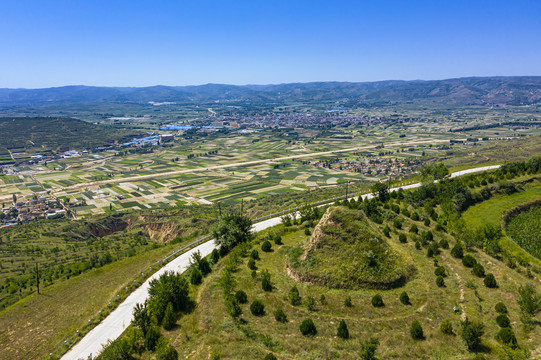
519, 90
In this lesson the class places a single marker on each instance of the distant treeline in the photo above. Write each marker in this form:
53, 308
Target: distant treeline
495, 125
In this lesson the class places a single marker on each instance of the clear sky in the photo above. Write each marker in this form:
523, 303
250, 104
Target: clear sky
179, 42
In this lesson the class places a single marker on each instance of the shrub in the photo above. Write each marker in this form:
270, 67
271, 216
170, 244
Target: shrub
278, 240
294, 296
404, 298
490, 281
215, 256
387, 231
254, 254
310, 303
347, 301
469, 261
406, 212
280, 316
427, 222
368, 349
446, 327
440, 271
266, 246
270, 356
457, 251
507, 337
403, 238
439, 227
241, 297
323, 300
233, 307
257, 308
169, 320
427, 236
397, 224
416, 330
478, 270
151, 339
417, 245
500, 308
430, 251
251, 264
440, 282
471, 333
444, 244
503, 321
377, 301
164, 350
415, 216
343, 332
308, 328
195, 276
414, 229
204, 266
266, 284
307, 232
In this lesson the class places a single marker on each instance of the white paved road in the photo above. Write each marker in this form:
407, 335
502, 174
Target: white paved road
115, 324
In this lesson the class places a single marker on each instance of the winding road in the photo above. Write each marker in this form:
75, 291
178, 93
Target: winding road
115, 324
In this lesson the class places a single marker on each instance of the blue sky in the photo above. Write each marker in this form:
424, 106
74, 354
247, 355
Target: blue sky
139, 43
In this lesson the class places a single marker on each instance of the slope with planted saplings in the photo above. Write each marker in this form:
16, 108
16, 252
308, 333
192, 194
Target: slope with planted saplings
469, 296
345, 252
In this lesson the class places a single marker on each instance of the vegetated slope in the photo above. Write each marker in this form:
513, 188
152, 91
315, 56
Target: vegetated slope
516, 90
525, 230
344, 252
49, 133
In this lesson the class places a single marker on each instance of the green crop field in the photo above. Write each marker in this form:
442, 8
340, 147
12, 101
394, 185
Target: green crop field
525, 230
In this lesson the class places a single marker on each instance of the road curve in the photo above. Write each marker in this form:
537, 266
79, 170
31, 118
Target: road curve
115, 324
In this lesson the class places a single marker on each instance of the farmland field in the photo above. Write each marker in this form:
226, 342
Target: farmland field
525, 230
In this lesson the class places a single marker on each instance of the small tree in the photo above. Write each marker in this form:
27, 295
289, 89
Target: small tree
251, 264
254, 254
343, 331
530, 303
294, 296
471, 333
308, 328
440, 271
270, 356
446, 327
414, 229
280, 316
478, 270
501, 308
403, 238
457, 251
368, 349
469, 261
440, 282
416, 330
195, 276
311, 303
266, 283
141, 318
347, 301
278, 240
503, 321
397, 224
507, 337
233, 307
257, 308
444, 244
215, 256
387, 231
404, 298
169, 320
151, 339
427, 222
323, 300
490, 281
266, 246
241, 297
377, 301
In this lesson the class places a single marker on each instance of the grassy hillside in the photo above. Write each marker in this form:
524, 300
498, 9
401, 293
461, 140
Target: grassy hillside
344, 252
